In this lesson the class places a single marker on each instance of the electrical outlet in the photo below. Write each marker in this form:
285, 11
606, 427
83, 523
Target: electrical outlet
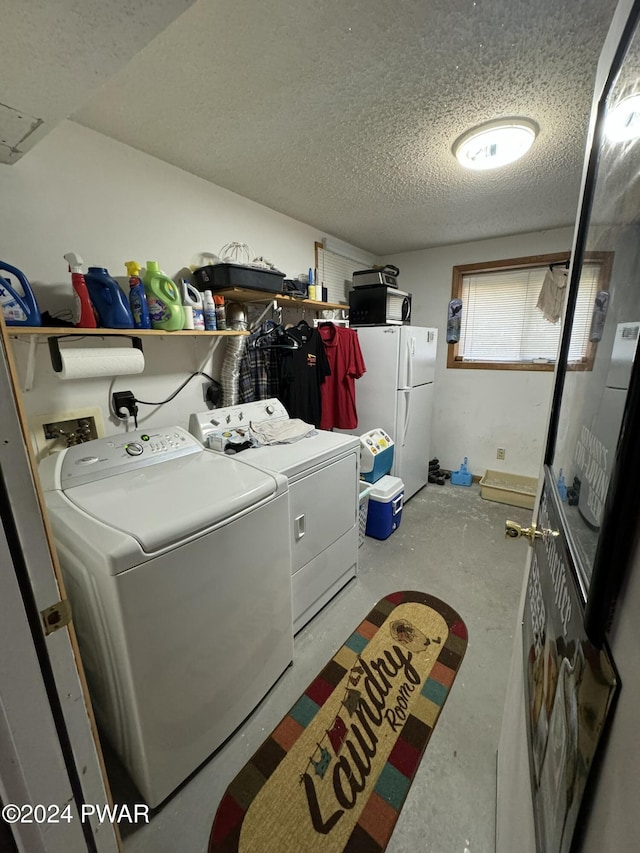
501, 453
54, 431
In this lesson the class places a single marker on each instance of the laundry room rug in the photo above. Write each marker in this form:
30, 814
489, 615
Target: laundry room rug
335, 772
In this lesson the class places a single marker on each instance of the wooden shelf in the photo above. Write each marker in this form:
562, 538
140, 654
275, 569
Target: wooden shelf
49, 331
241, 294
233, 294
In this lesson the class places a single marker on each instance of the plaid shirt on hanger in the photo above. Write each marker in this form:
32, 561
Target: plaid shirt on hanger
259, 375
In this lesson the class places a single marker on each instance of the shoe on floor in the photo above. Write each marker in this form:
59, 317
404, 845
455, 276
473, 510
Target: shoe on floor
436, 478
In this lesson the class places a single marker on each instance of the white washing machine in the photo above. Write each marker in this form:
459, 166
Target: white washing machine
322, 471
177, 566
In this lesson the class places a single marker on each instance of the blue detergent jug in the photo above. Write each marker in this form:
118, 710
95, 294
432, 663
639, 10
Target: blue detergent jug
109, 299
19, 305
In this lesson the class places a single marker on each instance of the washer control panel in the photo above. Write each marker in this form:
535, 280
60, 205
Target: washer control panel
104, 457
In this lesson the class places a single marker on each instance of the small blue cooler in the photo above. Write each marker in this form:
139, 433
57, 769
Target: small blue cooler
376, 455
386, 499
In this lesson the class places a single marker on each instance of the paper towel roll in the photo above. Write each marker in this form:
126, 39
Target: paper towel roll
88, 363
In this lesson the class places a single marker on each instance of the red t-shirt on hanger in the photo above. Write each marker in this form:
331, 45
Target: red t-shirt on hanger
338, 390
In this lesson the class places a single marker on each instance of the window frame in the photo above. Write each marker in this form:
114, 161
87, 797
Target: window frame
455, 360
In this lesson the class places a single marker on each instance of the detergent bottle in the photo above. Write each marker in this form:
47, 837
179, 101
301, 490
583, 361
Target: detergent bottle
109, 299
85, 314
18, 303
163, 299
192, 304
137, 297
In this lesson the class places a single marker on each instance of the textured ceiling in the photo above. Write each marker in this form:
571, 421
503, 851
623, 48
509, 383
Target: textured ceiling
54, 55
342, 113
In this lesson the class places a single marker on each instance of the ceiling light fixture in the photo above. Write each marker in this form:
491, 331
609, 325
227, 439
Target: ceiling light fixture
495, 143
623, 122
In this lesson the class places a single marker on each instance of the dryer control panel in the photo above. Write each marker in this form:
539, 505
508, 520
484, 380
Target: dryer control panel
230, 419
105, 457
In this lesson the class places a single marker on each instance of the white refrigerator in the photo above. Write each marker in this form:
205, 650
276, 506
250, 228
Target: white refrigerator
396, 393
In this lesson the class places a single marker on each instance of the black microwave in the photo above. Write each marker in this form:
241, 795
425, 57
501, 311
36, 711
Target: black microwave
379, 305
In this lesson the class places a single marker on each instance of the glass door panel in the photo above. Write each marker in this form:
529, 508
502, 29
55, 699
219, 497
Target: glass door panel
595, 388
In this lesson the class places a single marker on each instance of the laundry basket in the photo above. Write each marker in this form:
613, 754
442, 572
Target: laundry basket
363, 508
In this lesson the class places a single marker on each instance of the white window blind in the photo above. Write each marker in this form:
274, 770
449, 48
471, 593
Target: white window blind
500, 321
335, 273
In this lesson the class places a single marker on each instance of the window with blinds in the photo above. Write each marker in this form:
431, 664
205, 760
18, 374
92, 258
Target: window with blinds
335, 272
501, 325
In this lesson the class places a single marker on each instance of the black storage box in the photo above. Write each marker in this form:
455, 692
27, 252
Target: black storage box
223, 276
293, 287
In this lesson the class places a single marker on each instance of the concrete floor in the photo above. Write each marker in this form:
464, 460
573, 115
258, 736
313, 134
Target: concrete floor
450, 544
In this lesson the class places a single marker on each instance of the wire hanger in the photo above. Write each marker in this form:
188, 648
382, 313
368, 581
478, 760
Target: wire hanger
302, 331
274, 336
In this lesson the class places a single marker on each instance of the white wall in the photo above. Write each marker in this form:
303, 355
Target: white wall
477, 411
81, 191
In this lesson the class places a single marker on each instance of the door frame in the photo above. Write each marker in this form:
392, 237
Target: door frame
64, 725
29, 739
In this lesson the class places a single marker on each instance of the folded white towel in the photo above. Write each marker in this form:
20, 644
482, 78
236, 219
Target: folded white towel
284, 431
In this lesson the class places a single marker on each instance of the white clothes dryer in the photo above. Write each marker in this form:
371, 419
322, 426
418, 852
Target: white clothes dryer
323, 472
177, 567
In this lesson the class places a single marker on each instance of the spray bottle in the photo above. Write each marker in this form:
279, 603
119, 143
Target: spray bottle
137, 297
221, 312
85, 313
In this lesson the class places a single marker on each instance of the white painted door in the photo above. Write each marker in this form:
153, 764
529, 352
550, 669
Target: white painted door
48, 758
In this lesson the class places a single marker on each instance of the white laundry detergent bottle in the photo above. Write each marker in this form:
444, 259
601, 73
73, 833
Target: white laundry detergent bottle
192, 304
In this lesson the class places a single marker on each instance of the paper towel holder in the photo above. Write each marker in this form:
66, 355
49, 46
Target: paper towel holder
54, 347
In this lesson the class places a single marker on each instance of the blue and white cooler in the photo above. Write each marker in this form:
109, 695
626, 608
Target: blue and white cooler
386, 500
376, 455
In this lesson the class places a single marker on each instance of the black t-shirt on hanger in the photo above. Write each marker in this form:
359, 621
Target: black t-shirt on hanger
302, 372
